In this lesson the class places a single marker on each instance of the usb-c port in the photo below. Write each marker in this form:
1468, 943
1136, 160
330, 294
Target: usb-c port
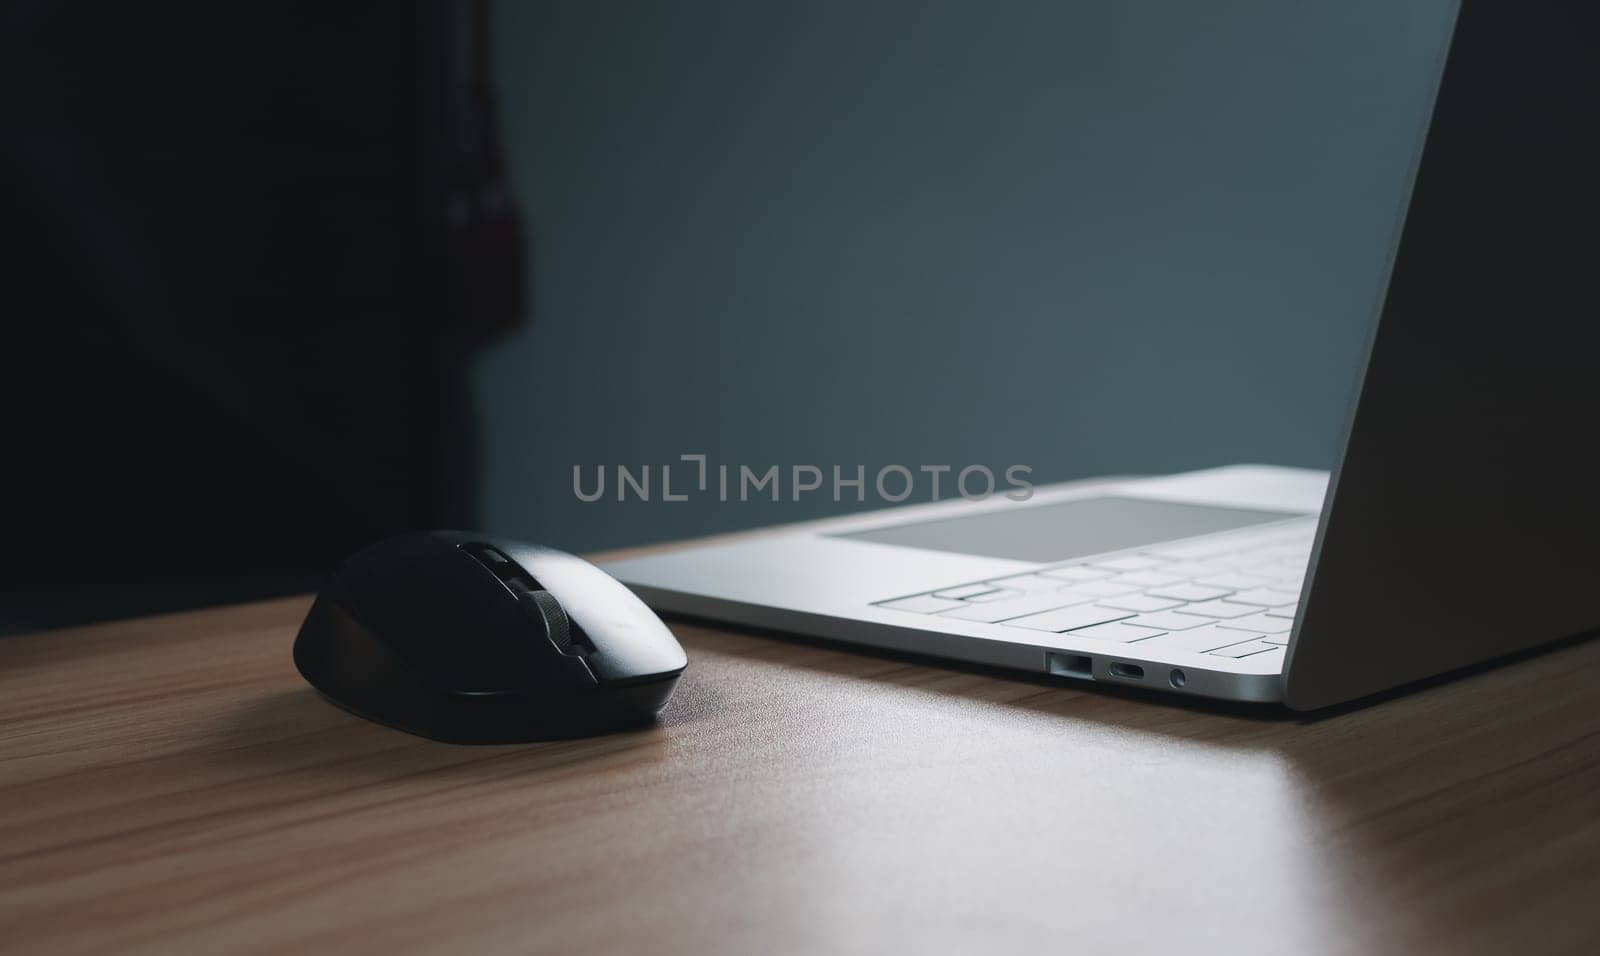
1127, 671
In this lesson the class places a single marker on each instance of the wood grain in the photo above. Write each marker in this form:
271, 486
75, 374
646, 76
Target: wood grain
171, 785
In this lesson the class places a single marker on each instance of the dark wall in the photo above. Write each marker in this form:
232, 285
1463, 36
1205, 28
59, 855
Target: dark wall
224, 360
1098, 236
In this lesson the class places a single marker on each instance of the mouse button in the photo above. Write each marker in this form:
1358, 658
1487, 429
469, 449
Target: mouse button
548, 610
498, 563
631, 644
629, 640
568, 669
566, 636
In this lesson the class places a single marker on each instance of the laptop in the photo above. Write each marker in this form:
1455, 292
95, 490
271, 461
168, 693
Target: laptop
1460, 524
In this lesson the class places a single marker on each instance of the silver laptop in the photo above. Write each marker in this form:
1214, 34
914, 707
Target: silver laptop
1461, 524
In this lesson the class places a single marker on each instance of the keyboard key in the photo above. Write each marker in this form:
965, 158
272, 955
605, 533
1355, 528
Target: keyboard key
965, 591
1261, 624
1134, 562
1288, 610
1199, 640
1196, 552
1247, 649
1279, 639
1233, 582
993, 611
922, 604
1139, 602
1105, 588
1198, 569
1167, 621
1271, 570
1120, 631
1224, 609
1026, 582
1077, 572
1188, 592
1266, 597
1146, 579
1297, 553
1003, 594
1069, 618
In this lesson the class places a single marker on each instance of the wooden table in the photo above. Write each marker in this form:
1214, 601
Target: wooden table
170, 784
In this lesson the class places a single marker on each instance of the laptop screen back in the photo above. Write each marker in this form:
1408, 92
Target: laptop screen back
1464, 519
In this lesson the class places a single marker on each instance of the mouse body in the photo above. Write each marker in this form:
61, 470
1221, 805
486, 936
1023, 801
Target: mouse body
470, 639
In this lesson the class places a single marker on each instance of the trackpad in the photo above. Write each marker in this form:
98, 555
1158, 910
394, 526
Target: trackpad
1068, 529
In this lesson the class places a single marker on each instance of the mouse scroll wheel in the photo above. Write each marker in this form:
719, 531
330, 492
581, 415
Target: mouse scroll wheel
557, 624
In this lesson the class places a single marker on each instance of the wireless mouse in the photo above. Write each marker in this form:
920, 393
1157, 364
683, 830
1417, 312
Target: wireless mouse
468, 639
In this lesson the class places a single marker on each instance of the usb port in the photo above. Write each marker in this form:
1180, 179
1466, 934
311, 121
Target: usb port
1126, 671
1070, 665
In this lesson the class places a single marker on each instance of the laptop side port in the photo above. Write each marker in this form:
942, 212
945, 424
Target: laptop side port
1080, 666
1126, 671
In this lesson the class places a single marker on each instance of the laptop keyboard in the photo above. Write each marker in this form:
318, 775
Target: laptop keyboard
1231, 595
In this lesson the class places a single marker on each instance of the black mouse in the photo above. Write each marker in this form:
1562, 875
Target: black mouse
468, 639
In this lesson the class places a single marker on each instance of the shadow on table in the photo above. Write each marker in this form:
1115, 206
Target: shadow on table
1099, 701
300, 731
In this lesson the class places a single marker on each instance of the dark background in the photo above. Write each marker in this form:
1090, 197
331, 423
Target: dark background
1090, 237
